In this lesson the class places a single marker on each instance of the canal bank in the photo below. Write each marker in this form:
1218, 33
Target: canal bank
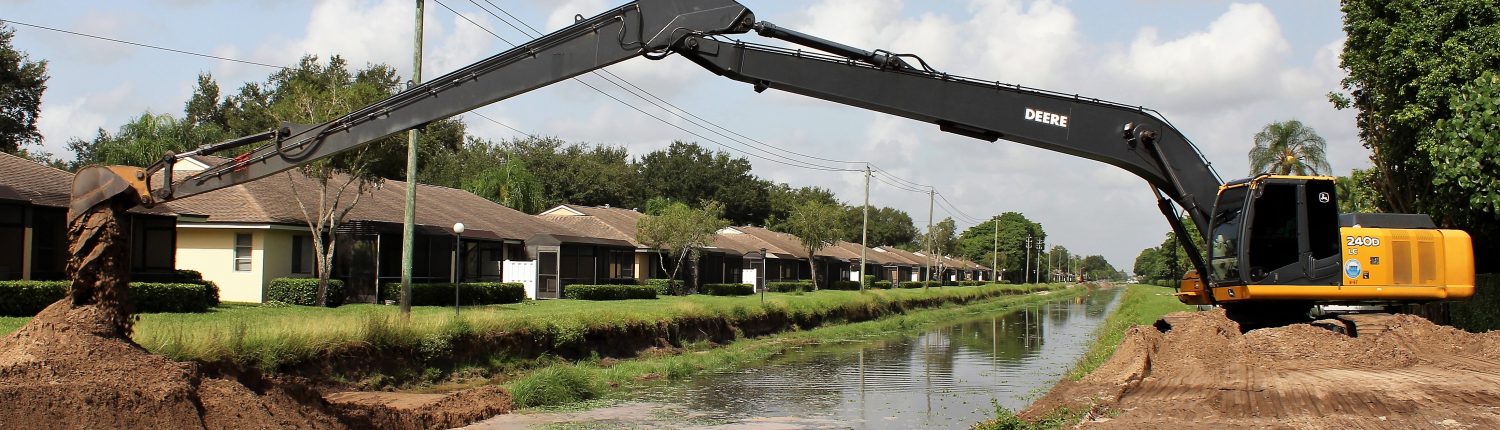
945, 367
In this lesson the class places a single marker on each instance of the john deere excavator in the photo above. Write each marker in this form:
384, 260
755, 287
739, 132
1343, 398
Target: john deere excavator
1277, 244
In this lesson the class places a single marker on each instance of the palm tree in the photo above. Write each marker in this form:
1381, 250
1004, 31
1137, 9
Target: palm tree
1289, 148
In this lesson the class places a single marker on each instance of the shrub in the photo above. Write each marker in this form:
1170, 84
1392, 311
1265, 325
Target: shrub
788, 286
971, 283
26, 298
619, 281
162, 297
728, 289
183, 276
469, 293
869, 281
843, 285
920, 284
608, 292
881, 285
304, 291
666, 287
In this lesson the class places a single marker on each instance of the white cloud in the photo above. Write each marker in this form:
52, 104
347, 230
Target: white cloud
1224, 65
82, 116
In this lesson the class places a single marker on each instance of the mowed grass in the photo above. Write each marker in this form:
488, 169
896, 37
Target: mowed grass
1143, 304
268, 337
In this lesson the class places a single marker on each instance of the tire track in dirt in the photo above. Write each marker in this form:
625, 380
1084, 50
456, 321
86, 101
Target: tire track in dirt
1203, 373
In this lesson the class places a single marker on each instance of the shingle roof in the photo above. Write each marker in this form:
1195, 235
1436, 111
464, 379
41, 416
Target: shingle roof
273, 200
31, 181
42, 185
791, 245
603, 222
911, 258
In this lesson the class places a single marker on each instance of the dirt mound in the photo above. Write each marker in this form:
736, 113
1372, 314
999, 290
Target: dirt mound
421, 411
68, 368
1400, 371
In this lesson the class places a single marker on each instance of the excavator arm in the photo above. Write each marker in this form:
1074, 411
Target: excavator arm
1129, 137
640, 28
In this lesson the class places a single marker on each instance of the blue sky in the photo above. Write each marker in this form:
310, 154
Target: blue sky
1219, 70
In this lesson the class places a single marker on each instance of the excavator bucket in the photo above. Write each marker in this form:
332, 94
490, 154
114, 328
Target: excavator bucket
98, 184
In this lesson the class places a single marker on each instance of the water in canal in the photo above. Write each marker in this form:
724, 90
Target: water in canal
948, 377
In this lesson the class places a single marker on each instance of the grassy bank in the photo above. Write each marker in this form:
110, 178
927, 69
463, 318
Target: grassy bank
1142, 304
372, 346
568, 383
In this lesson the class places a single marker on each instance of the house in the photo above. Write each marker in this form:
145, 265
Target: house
883, 264
250, 234
33, 226
834, 262
916, 262
602, 247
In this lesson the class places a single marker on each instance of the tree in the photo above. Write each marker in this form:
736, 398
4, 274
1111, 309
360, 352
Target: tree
1357, 192
816, 225
681, 232
511, 185
577, 173
977, 243
22, 83
888, 226
1057, 259
940, 242
1411, 64
690, 173
1466, 157
141, 142
1289, 148
782, 200
1095, 267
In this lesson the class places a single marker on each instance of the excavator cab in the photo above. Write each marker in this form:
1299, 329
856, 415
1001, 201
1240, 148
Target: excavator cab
1280, 240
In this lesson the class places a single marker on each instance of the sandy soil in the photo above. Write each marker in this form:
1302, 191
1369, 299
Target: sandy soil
1400, 371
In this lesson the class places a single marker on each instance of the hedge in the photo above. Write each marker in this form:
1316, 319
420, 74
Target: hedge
842, 285
469, 293
26, 298
971, 283
665, 287
184, 276
881, 285
920, 284
728, 289
608, 292
788, 286
869, 281
304, 291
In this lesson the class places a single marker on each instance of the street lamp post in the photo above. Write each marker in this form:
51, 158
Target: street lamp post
762, 275
458, 262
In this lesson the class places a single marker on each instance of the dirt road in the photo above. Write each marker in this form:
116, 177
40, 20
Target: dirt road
1203, 373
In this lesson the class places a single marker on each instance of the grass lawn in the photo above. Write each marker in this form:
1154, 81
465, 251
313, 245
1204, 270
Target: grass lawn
268, 337
1143, 304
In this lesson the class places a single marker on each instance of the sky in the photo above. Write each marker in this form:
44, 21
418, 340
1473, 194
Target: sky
1218, 70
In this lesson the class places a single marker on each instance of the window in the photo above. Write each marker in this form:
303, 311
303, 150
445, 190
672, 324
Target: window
302, 255
1322, 219
1273, 240
1224, 246
242, 247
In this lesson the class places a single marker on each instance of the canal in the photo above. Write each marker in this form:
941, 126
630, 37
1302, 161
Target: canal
949, 376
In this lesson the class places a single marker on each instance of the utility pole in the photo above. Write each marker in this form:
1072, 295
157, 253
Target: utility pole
408, 221
1026, 273
930, 195
995, 255
864, 232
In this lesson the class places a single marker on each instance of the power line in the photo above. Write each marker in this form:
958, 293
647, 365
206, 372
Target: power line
746, 139
789, 161
502, 124
144, 45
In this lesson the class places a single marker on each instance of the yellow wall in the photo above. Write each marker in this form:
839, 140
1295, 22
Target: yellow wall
211, 251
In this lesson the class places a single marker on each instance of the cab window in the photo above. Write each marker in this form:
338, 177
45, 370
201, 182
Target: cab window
1224, 241
1273, 241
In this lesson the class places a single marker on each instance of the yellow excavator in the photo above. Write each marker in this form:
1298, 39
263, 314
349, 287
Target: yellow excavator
1277, 244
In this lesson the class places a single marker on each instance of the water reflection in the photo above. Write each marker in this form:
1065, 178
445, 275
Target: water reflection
946, 377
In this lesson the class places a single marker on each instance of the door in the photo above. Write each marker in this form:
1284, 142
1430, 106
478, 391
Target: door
547, 283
